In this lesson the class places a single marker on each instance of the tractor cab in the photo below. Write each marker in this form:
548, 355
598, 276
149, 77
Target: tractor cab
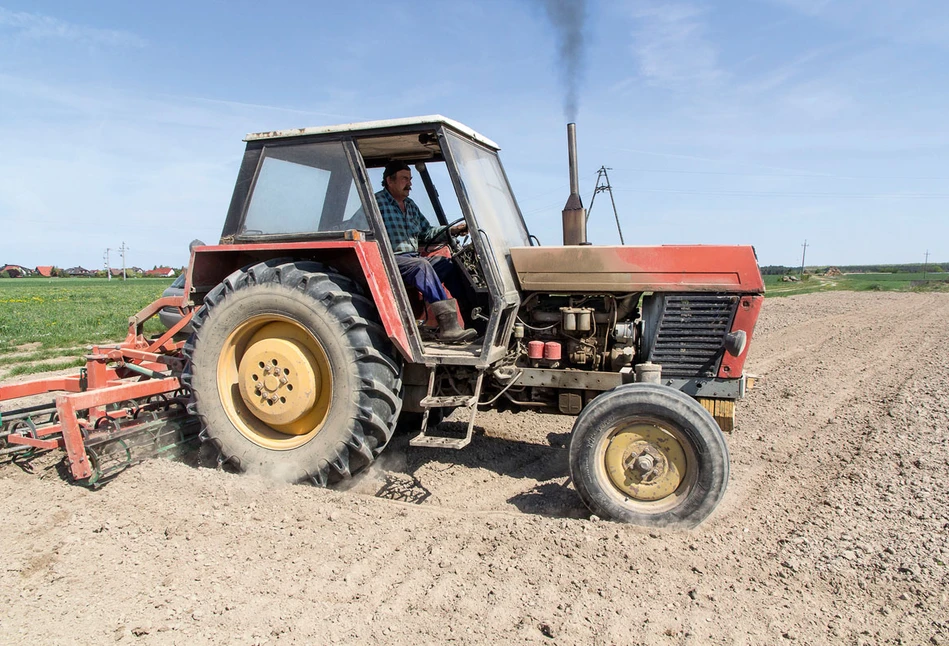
319, 184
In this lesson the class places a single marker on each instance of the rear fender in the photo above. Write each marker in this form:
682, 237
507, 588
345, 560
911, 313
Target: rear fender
357, 259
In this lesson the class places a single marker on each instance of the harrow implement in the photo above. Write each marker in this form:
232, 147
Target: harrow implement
125, 405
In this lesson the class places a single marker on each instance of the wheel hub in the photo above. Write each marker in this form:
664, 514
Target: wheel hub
277, 380
645, 462
645, 465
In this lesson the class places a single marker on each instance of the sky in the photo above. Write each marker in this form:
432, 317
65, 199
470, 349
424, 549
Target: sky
762, 122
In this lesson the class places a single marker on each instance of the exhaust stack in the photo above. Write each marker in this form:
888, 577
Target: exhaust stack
574, 215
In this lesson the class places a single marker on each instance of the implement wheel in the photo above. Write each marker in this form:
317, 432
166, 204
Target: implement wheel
292, 375
648, 455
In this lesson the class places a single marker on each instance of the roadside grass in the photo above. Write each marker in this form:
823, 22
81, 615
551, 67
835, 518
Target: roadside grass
903, 282
46, 366
44, 319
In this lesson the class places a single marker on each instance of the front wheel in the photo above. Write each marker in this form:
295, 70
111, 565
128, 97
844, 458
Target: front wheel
649, 455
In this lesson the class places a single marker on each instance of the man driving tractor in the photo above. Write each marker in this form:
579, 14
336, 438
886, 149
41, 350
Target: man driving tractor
406, 227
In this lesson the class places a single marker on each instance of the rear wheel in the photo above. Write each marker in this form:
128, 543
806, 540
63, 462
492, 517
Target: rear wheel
649, 455
292, 376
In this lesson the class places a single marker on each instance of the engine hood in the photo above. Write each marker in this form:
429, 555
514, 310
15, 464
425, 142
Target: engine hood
622, 269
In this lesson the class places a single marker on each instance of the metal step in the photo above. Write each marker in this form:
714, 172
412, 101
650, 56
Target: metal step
436, 442
430, 402
445, 402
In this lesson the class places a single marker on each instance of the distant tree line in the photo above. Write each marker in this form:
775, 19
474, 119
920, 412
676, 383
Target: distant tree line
911, 268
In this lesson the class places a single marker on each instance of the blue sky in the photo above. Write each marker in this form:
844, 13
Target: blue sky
763, 122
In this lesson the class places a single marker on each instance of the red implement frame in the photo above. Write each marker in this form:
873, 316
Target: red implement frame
134, 369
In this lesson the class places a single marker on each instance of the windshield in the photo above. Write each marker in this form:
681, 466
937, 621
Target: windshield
490, 198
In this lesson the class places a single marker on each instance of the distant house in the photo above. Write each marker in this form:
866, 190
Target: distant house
79, 271
46, 271
16, 271
117, 273
160, 272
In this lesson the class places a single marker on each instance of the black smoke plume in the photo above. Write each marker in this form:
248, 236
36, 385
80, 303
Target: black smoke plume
568, 18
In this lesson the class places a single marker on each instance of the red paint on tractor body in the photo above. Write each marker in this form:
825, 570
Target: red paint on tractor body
665, 268
745, 318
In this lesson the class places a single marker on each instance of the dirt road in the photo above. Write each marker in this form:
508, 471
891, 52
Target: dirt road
834, 530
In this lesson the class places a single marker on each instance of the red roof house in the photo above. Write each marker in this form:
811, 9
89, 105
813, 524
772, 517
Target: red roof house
163, 272
16, 271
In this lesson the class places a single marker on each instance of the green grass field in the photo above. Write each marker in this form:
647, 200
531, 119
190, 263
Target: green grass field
901, 282
46, 323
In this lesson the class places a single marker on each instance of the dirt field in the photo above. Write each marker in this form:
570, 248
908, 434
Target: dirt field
834, 530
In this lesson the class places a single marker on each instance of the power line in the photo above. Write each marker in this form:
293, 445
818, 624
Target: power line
797, 175
767, 194
878, 196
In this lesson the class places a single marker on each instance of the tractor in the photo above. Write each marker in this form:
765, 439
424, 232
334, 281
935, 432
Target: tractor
308, 350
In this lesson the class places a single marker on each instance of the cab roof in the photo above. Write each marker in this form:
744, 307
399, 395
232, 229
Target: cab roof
367, 127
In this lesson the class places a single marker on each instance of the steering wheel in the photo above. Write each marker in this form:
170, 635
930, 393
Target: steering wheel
452, 243
435, 244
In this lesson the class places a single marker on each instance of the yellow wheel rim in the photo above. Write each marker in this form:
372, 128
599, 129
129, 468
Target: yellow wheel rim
648, 463
275, 382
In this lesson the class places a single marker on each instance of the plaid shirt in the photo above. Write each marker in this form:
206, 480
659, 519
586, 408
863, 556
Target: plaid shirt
407, 229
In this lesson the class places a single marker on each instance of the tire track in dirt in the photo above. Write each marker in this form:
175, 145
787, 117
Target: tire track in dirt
804, 462
813, 400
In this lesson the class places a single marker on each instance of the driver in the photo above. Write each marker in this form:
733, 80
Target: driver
406, 227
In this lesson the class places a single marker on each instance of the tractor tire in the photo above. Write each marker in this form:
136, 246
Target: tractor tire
291, 374
649, 455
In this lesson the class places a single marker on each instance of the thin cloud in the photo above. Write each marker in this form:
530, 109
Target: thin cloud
721, 161
818, 101
671, 45
37, 26
790, 71
119, 106
910, 22
260, 106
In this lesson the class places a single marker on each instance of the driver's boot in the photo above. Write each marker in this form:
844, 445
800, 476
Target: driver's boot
449, 331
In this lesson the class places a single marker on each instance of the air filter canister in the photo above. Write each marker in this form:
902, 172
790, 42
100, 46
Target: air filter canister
535, 349
552, 351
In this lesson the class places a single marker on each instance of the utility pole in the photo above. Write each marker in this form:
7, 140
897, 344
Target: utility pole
802, 259
108, 268
601, 174
122, 251
926, 265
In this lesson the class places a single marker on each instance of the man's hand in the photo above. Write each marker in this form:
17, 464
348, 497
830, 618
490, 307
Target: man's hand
459, 229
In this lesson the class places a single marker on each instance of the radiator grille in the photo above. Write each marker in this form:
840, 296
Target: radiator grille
689, 336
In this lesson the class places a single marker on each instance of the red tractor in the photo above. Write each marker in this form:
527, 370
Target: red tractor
308, 349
